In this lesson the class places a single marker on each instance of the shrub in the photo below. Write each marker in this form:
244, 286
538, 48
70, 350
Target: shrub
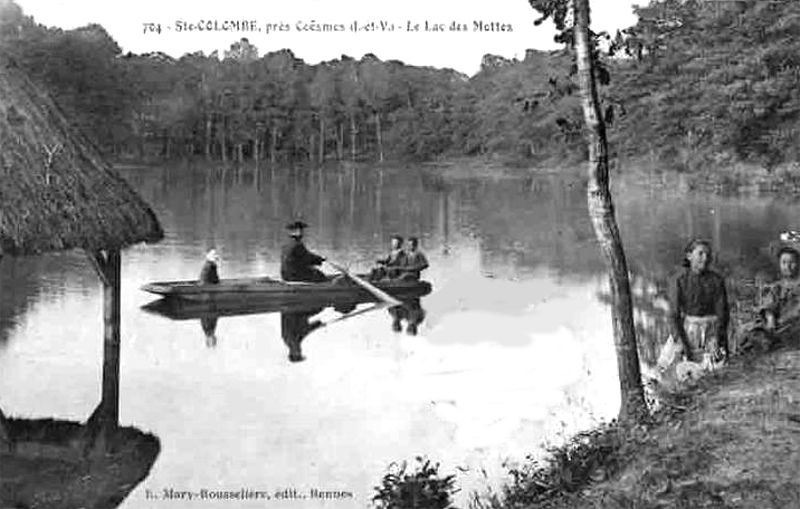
422, 488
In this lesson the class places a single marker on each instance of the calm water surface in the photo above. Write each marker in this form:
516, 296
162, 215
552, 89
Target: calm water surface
516, 346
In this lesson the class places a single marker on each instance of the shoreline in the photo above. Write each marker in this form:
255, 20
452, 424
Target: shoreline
717, 178
729, 440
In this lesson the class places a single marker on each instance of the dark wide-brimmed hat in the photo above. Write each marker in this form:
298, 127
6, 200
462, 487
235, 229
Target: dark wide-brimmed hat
296, 225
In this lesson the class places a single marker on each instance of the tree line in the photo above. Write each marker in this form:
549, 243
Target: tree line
693, 82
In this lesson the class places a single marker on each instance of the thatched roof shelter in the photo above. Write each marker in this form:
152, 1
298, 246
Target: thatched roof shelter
56, 191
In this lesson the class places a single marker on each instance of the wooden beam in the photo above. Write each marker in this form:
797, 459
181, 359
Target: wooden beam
99, 263
104, 421
111, 335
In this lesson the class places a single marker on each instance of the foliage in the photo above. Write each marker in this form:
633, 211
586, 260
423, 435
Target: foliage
696, 84
565, 469
709, 80
79, 64
422, 488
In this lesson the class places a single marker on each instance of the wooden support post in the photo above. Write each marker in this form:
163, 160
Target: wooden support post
105, 419
111, 336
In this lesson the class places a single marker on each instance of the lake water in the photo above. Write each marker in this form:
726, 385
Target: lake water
515, 349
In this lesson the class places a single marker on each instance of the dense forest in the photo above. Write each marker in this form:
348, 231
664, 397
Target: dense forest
692, 83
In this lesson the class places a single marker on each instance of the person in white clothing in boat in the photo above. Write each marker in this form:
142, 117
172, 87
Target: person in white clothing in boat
209, 274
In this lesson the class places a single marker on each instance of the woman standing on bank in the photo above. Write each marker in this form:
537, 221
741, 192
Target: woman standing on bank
699, 312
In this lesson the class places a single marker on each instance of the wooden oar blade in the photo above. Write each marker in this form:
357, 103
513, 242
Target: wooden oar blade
374, 307
380, 294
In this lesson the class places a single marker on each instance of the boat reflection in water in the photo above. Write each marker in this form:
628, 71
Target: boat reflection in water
297, 319
411, 311
209, 325
294, 329
53, 463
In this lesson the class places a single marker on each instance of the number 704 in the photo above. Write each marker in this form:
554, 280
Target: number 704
151, 28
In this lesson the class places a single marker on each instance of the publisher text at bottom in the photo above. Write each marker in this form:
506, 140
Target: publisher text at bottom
247, 494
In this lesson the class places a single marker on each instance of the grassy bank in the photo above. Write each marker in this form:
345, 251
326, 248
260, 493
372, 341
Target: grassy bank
49, 468
730, 441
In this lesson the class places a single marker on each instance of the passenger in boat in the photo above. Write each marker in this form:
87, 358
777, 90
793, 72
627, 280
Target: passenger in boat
413, 262
294, 329
209, 274
297, 262
387, 267
779, 312
699, 312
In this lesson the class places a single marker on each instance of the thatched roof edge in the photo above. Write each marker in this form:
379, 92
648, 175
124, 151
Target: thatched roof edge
56, 190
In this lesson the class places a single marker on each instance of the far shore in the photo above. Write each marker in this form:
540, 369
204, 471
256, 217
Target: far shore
721, 177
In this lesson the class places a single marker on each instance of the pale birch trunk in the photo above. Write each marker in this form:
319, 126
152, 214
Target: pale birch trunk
601, 211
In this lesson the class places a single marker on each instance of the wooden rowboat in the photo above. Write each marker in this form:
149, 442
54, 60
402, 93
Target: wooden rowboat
181, 309
265, 290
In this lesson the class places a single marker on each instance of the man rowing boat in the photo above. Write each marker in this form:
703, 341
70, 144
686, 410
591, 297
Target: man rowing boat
297, 262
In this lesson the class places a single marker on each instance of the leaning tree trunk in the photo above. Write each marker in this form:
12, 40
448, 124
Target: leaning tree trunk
601, 210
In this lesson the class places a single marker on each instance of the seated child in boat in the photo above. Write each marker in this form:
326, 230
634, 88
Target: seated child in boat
209, 274
414, 261
387, 267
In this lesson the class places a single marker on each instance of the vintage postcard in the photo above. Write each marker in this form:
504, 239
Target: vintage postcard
429, 254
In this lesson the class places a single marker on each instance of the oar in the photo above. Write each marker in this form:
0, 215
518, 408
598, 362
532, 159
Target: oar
341, 318
377, 292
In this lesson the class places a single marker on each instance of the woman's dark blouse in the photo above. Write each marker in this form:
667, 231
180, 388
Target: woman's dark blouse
698, 294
